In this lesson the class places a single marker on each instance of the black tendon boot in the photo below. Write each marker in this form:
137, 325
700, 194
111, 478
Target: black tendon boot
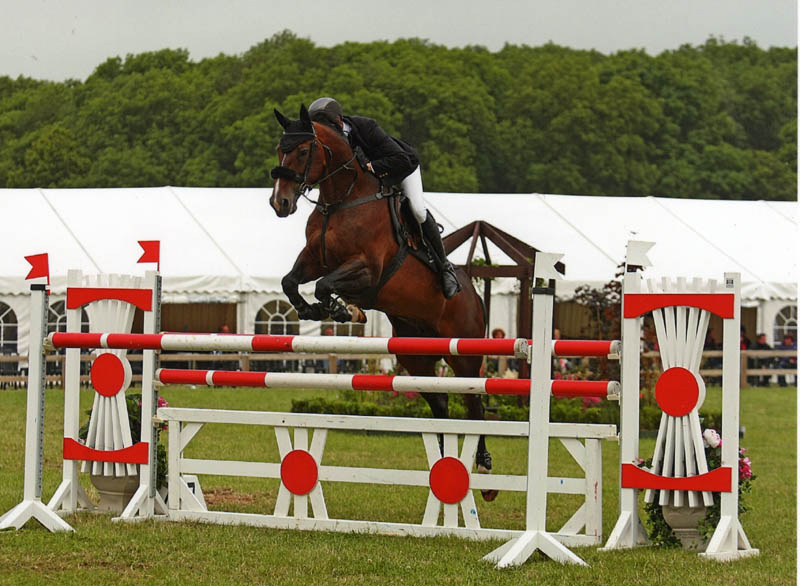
450, 284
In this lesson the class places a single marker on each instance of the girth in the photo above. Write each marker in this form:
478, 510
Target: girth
370, 296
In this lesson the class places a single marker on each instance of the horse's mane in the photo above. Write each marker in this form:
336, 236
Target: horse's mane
328, 134
335, 140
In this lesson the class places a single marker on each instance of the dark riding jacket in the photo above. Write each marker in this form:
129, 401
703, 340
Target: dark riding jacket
392, 159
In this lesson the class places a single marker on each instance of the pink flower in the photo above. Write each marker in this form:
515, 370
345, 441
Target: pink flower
411, 394
591, 401
711, 438
162, 402
744, 468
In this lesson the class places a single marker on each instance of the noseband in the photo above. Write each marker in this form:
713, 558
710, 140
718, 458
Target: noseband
290, 141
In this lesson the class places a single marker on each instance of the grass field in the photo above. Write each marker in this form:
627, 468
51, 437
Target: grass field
100, 552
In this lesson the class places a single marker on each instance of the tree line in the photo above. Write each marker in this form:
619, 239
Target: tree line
717, 120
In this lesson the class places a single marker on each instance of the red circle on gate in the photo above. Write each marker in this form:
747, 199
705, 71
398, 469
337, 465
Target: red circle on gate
677, 391
108, 374
299, 472
449, 480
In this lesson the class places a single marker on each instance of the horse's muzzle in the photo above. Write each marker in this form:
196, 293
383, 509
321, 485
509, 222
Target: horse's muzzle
283, 205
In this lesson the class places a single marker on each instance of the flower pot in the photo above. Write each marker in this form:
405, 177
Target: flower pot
683, 521
115, 491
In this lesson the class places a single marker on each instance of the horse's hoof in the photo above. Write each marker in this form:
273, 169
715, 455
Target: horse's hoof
356, 315
312, 312
483, 464
489, 495
340, 314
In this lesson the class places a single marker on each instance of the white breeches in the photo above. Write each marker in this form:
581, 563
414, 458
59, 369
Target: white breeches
412, 188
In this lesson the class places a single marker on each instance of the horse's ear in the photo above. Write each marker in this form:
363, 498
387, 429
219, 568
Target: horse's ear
282, 120
305, 118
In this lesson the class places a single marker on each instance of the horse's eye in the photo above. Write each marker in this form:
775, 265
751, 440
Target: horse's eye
303, 152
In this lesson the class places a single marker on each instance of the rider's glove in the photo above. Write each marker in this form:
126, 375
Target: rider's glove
361, 157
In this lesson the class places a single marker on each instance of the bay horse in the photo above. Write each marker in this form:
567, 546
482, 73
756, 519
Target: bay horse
350, 252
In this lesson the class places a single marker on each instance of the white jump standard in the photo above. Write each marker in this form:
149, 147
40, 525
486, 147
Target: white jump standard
680, 473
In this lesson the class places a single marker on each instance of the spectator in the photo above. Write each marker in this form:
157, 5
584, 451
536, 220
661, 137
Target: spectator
714, 362
761, 363
323, 365
221, 364
498, 366
560, 365
787, 361
744, 341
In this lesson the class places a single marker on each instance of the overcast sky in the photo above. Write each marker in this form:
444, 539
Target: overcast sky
60, 39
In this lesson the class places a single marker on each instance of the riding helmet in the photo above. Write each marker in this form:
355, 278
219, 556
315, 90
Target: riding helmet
326, 111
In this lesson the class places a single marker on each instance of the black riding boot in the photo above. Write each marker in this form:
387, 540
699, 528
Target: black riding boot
450, 284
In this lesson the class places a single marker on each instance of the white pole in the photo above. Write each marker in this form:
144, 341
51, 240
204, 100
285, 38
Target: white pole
536, 537
31, 505
729, 541
146, 501
34, 428
69, 493
628, 530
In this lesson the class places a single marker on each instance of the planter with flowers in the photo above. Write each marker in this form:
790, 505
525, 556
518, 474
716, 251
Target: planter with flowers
116, 491
692, 528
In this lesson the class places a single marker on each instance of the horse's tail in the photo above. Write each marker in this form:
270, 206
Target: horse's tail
485, 316
484, 313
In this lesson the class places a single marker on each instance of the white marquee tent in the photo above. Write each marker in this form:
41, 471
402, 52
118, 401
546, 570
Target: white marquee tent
227, 245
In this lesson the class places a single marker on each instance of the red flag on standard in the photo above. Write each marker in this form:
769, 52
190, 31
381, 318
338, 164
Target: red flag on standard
40, 266
152, 252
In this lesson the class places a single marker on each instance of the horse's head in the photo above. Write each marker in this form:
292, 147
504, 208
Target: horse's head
297, 158
310, 153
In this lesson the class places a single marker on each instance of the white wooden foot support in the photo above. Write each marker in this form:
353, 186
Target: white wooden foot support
33, 509
519, 549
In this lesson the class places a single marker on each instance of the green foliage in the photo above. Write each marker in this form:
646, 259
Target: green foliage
562, 410
714, 121
415, 408
659, 531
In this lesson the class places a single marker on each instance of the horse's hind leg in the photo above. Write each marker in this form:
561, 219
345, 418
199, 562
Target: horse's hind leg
425, 366
469, 366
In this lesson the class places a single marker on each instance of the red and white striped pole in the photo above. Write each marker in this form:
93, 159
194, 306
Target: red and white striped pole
379, 382
328, 344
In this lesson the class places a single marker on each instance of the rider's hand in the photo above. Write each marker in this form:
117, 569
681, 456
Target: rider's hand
361, 157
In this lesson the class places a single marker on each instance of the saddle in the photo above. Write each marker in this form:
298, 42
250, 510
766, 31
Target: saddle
410, 240
407, 231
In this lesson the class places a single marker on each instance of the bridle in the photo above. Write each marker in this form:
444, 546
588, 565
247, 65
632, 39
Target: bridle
304, 185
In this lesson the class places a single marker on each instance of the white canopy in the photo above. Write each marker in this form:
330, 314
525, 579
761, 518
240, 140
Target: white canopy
218, 243
694, 238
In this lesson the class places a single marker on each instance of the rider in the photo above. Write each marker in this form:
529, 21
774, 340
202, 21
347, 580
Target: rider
393, 162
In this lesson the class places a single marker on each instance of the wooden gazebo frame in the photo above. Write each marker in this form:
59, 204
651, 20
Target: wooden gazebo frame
521, 253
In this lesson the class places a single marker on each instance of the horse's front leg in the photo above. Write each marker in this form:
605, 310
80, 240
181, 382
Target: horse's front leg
348, 280
303, 271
